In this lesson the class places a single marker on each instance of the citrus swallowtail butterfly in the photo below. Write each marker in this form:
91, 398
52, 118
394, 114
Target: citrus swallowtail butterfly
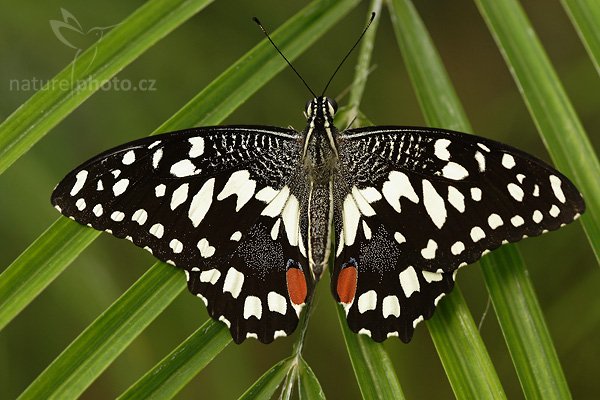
250, 213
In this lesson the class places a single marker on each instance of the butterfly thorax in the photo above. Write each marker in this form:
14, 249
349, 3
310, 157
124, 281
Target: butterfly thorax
320, 157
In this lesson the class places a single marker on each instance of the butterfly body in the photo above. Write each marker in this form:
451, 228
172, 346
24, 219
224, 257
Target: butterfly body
252, 213
320, 159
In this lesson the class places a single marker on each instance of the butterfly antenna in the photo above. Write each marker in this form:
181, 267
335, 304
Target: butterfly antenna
262, 28
349, 52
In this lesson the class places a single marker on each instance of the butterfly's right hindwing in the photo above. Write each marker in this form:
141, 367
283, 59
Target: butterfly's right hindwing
210, 201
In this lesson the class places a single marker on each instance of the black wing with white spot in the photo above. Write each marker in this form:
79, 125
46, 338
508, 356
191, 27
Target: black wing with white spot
223, 203
414, 204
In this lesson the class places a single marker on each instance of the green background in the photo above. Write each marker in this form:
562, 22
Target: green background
561, 265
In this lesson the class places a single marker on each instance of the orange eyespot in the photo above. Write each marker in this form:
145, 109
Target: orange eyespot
346, 284
296, 284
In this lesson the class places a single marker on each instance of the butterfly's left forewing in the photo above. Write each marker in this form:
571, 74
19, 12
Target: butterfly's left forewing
414, 204
223, 203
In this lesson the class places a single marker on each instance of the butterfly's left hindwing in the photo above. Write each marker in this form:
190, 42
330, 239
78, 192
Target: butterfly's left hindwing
210, 201
414, 204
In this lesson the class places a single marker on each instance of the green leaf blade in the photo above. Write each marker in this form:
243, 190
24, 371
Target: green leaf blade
309, 387
174, 371
102, 341
264, 388
461, 350
585, 15
40, 264
372, 366
528, 339
123, 44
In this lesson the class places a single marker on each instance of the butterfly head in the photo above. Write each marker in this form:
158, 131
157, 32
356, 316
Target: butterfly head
320, 109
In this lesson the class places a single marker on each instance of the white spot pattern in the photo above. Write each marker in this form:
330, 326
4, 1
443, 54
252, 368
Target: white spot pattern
476, 194
456, 198
515, 191
266, 194
480, 158
179, 196
120, 187
367, 301
291, 219
351, 217
252, 307
197, 148
206, 250
117, 216
159, 190
399, 238
129, 157
454, 171
366, 230
275, 229
80, 204
97, 210
477, 234
239, 184
397, 186
275, 207
140, 216
432, 276
157, 230
428, 252
441, 149
409, 281
81, 177
276, 303
556, 183
183, 168
517, 221
390, 306
210, 276
234, 280
457, 248
508, 161
156, 157
434, 204
494, 221
201, 202
176, 246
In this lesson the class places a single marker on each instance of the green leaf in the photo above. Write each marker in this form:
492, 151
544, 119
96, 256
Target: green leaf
548, 105
210, 106
308, 385
435, 93
363, 64
462, 352
585, 15
266, 385
529, 341
174, 371
102, 341
40, 264
373, 369
123, 44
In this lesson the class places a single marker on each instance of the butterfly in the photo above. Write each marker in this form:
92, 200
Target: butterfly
252, 213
